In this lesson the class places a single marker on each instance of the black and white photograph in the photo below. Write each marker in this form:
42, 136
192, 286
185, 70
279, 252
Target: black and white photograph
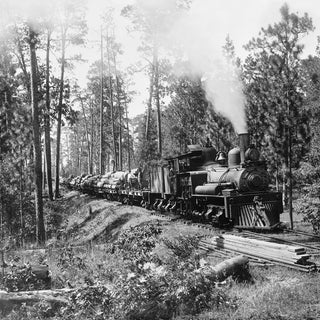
160, 160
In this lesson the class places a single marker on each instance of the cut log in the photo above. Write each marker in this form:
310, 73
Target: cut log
231, 267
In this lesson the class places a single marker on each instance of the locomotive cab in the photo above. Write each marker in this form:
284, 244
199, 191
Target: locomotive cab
189, 170
174, 183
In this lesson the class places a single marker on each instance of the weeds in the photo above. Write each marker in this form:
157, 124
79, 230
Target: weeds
145, 275
21, 278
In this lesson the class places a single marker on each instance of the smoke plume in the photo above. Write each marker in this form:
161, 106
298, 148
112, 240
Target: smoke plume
200, 33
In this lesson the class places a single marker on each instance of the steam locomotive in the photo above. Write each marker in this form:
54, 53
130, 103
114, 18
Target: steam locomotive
202, 185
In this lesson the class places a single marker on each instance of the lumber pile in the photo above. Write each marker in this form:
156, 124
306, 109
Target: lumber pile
288, 255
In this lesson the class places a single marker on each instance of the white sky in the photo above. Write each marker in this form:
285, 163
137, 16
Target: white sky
214, 19
241, 19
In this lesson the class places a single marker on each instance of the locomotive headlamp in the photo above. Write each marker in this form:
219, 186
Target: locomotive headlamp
255, 180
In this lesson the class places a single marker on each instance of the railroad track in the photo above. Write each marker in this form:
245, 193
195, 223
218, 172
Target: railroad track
313, 248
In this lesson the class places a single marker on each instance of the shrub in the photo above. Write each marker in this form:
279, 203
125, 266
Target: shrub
54, 218
21, 278
190, 289
309, 206
176, 286
182, 246
70, 266
136, 244
38, 311
88, 303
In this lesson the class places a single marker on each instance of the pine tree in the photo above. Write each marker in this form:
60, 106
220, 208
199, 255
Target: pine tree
275, 88
36, 139
73, 28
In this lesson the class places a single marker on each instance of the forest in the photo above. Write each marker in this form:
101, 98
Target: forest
52, 128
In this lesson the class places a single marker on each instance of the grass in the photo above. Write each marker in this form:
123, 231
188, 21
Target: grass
276, 293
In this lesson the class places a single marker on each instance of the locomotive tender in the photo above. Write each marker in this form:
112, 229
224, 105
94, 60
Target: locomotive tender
201, 185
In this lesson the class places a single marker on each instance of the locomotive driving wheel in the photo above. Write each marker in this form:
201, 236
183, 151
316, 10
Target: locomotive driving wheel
219, 219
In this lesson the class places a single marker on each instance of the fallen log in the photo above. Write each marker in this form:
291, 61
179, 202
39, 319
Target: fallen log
53, 296
232, 267
57, 296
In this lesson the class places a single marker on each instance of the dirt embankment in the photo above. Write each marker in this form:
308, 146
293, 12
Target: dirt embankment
91, 219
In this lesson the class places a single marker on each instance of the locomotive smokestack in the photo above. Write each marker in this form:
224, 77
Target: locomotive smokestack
244, 145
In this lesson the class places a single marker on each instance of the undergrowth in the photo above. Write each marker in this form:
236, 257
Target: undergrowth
129, 279
21, 278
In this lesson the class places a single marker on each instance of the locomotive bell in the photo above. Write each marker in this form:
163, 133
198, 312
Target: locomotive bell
221, 157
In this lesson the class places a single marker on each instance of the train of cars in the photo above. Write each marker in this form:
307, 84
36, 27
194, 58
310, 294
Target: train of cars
202, 185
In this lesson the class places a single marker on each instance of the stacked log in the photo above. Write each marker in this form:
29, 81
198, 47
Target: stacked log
288, 255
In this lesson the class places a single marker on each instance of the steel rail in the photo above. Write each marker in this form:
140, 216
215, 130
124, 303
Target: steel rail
303, 233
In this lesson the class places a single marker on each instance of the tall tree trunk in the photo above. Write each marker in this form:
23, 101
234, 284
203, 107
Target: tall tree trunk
87, 136
1, 195
47, 120
120, 128
277, 177
101, 110
44, 176
157, 97
1, 216
63, 48
112, 110
22, 64
80, 158
21, 197
77, 143
128, 138
36, 142
149, 105
91, 140
289, 161
120, 112
290, 182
